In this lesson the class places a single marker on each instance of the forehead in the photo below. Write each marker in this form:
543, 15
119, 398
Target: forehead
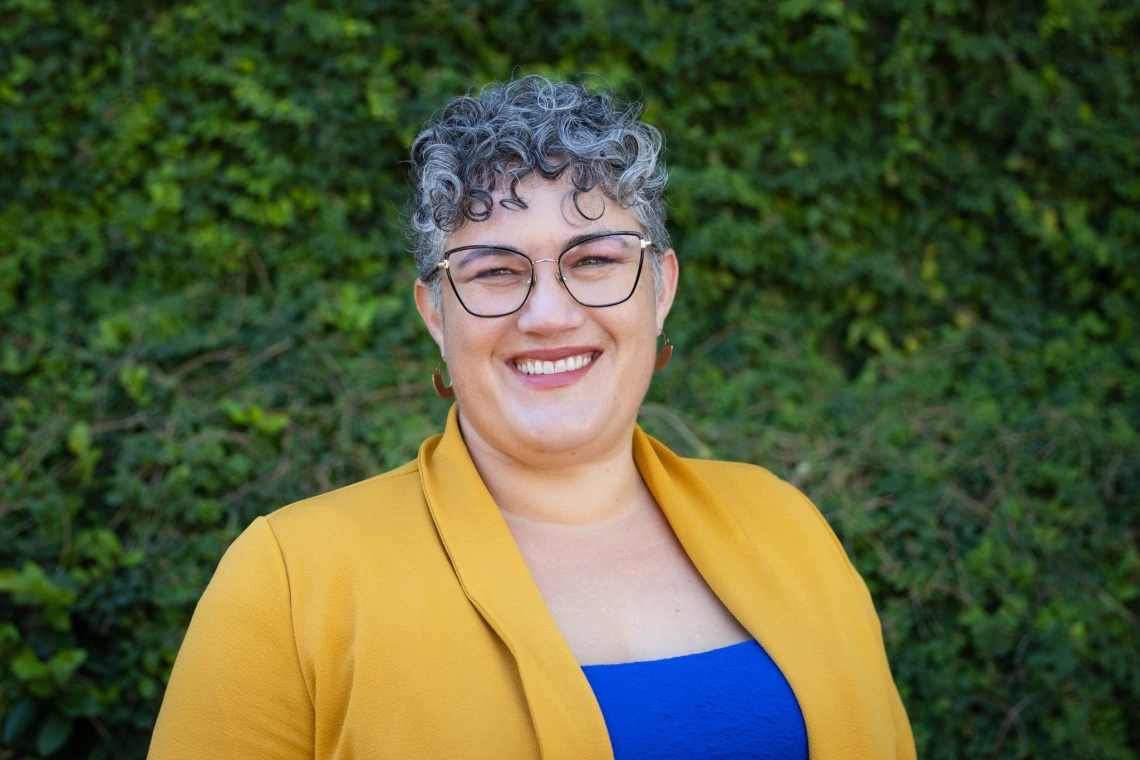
549, 218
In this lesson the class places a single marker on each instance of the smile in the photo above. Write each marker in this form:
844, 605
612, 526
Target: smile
540, 367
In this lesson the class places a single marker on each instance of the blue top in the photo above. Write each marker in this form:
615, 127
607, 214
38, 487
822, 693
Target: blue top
726, 704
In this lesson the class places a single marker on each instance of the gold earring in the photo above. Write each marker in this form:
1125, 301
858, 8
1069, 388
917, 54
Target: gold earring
665, 355
445, 392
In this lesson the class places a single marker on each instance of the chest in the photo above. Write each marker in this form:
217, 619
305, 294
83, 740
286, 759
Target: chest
626, 593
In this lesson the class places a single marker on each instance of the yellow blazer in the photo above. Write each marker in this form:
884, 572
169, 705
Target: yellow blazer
395, 618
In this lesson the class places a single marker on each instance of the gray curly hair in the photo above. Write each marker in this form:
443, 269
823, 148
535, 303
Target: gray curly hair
493, 139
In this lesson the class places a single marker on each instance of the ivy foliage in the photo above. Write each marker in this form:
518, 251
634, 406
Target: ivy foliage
910, 246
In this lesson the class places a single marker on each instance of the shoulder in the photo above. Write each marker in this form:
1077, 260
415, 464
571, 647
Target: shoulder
768, 506
749, 485
715, 468
371, 498
370, 516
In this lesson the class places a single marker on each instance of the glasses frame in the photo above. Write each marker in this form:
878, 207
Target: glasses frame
446, 267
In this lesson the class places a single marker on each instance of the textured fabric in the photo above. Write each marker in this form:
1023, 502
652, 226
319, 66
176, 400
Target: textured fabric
396, 618
727, 704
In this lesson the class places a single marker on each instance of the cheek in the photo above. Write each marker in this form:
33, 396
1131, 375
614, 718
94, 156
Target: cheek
469, 345
641, 326
636, 339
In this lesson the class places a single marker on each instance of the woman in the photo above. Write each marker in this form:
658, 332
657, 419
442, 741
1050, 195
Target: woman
545, 580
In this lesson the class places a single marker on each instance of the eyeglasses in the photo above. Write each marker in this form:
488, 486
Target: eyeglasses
598, 270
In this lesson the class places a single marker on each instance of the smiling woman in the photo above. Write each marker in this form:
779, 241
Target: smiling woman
545, 580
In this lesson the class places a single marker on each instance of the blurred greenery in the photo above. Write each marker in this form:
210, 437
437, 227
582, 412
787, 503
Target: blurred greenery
910, 245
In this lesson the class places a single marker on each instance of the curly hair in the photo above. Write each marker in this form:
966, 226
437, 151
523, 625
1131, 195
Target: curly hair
493, 139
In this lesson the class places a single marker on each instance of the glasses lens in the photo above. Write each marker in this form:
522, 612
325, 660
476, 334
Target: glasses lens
602, 271
490, 281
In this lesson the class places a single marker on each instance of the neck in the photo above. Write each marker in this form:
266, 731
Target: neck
598, 488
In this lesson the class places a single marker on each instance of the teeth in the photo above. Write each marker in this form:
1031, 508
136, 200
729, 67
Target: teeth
534, 367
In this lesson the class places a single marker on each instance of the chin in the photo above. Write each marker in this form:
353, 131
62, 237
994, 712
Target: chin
557, 427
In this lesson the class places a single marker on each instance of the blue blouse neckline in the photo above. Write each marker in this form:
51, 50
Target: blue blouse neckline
723, 649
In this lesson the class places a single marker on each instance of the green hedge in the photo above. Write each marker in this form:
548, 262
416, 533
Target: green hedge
910, 247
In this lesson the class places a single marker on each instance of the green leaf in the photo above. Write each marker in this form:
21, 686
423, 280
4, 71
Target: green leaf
53, 734
64, 664
132, 558
27, 667
147, 687
18, 720
81, 701
9, 634
79, 438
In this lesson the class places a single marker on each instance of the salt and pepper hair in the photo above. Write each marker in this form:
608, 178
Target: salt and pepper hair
494, 138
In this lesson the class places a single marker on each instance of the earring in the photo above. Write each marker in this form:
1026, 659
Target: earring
665, 355
445, 392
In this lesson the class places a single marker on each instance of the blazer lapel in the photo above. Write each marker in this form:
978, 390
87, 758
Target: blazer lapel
770, 593
494, 576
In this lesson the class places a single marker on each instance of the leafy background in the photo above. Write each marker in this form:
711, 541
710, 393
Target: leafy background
910, 242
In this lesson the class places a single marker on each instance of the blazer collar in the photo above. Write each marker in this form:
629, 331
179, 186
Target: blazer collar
493, 574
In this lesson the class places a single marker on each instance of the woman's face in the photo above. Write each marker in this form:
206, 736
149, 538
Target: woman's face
579, 412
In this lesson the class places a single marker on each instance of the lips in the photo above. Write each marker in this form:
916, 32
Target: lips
554, 367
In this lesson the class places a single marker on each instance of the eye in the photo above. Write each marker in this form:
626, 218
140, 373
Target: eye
489, 266
496, 272
593, 261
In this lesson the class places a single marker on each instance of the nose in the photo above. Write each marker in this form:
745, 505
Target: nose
549, 309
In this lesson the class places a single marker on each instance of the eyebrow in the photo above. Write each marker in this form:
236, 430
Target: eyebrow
482, 251
585, 236
568, 244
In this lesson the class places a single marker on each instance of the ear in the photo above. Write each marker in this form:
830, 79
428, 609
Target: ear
433, 320
670, 270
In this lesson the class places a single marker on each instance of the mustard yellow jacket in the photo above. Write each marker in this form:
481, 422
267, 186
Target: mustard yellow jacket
395, 618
